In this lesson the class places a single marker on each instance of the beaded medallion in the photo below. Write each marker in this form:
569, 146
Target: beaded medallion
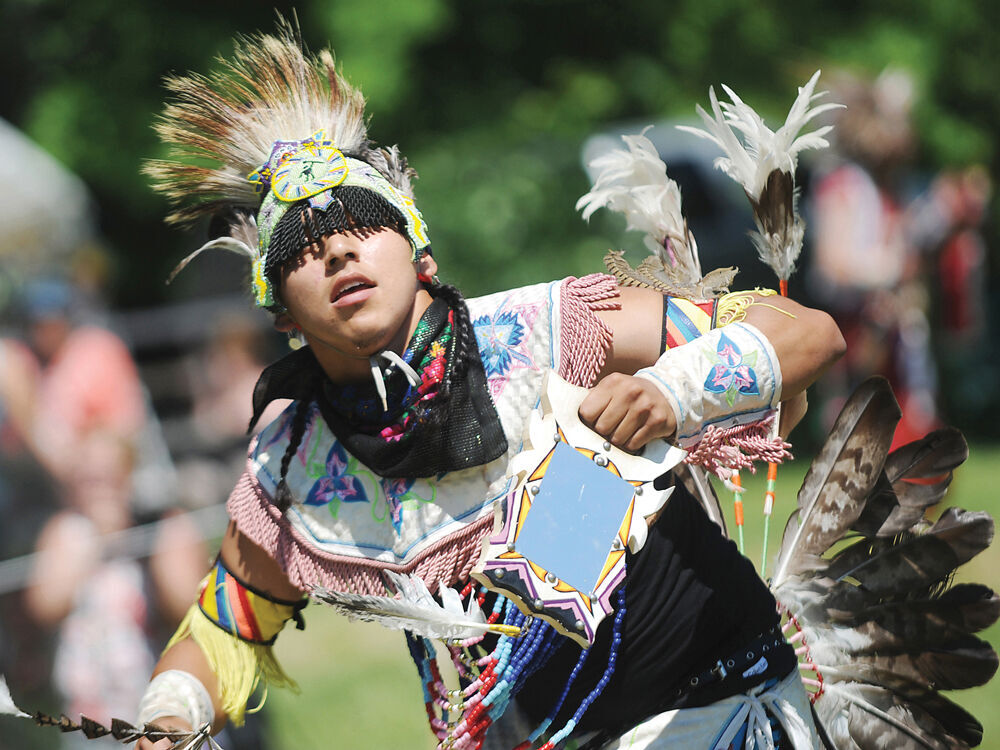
559, 537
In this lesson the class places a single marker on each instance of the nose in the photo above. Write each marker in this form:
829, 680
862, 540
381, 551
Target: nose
342, 246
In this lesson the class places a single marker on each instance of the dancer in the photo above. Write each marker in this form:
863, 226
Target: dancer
409, 404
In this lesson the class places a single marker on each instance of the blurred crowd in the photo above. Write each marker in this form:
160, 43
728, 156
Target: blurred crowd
897, 257
93, 498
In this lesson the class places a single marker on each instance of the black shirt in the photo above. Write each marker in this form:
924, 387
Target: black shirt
691, 599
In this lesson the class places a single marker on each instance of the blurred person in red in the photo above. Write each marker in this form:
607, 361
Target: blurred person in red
89, 380
877, 243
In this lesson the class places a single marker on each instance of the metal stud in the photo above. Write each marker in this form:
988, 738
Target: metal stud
607, 445
535, 489
510, 547
499, 573
579, 624
638, 490
539, 603
550, 578
600, 460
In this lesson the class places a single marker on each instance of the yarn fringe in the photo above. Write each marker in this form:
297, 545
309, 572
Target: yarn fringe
239, 666
723, 451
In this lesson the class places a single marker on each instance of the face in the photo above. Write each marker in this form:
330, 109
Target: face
353, 296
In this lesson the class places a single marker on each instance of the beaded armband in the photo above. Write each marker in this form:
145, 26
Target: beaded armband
243, 611
685, 320
235, 626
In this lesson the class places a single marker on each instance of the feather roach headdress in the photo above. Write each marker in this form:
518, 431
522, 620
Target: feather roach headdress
275, 143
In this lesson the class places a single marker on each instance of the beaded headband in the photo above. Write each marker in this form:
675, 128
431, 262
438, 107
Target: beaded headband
309, 170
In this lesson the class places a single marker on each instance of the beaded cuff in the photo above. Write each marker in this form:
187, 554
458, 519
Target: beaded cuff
243, 611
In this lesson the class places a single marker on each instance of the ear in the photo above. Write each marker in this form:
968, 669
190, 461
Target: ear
283, 322
426, 265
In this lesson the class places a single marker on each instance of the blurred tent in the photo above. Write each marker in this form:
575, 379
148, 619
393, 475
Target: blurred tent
46, 211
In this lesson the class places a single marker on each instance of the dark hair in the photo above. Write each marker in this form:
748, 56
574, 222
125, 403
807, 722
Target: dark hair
353, 209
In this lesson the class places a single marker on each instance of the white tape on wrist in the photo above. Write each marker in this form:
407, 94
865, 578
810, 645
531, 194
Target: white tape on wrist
729, 376
176, 693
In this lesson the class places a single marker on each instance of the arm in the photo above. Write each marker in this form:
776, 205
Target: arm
251, 564
631, 411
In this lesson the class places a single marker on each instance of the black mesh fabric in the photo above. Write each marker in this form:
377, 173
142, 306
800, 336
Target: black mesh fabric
469, 433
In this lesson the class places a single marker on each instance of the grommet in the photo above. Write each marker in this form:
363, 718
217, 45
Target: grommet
765, 648
730, 663
694, 682
749, 654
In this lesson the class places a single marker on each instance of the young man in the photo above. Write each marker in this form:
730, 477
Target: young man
409, 404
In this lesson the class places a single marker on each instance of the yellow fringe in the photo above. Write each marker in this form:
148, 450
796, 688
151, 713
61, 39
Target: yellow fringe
732, 308
239, 666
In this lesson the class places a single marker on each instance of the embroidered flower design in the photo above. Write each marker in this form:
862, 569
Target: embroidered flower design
396, 491
497, 339
732, 373
336, 484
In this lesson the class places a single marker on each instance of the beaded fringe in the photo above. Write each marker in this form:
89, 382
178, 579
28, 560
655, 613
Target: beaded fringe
238, 666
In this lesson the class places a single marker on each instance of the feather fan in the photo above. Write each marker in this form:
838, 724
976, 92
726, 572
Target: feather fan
414, 609
634, 182
764, 162
865, 578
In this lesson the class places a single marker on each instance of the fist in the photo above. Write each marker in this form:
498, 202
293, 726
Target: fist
627, 411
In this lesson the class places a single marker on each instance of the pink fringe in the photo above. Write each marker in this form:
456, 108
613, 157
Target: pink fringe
448, 561
722, 451
585, 339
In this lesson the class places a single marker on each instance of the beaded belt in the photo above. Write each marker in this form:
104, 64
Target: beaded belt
742, 663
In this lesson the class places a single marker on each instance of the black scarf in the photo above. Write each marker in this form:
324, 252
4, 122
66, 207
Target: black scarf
468, 432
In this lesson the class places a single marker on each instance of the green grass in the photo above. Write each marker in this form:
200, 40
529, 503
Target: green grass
360, 690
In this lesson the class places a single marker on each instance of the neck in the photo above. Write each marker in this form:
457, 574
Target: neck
342, 366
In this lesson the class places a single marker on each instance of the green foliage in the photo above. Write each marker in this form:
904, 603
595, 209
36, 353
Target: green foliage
490, 99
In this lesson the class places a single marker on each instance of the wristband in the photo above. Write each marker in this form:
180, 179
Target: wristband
176, 693
725, 378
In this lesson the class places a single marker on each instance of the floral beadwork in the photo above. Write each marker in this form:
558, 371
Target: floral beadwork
498, 338
732, 372
337, 484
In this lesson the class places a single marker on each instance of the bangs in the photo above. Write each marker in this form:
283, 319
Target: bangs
354, 209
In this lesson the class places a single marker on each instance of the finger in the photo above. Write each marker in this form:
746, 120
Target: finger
593, 405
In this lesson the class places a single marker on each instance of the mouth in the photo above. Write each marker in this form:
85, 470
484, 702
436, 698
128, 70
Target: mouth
351, 290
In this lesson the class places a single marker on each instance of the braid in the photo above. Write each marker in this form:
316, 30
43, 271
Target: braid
465, 349
283, 495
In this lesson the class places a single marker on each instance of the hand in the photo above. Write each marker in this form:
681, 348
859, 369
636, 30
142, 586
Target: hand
168, 723
628, 411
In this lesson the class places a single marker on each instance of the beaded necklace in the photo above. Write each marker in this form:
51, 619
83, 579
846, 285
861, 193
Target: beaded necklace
489, 680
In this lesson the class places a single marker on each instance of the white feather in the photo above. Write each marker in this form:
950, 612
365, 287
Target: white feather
7, 705
414, 609
750, 159
222, 243
634, 182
